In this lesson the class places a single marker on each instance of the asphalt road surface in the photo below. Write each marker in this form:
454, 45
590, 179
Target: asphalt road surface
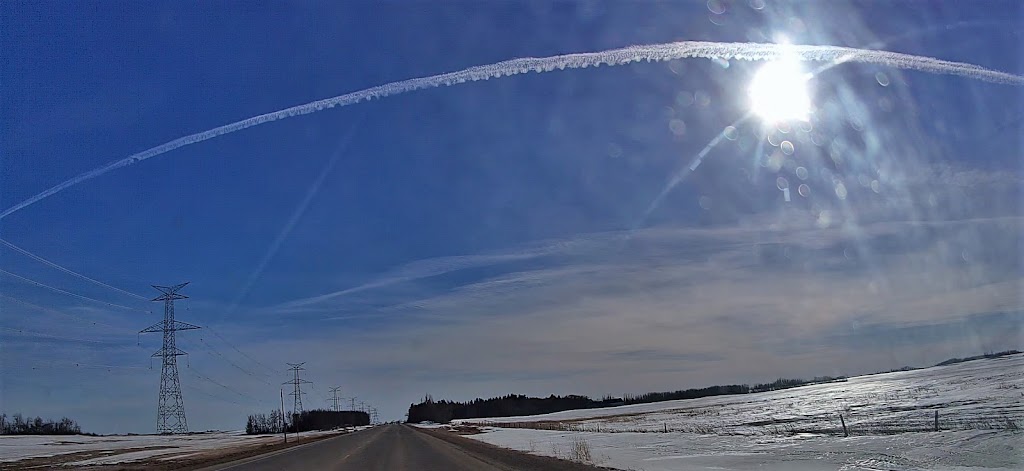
396, 448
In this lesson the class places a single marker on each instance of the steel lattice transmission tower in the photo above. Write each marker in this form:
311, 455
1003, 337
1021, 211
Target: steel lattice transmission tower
170, 411
296, 383
335, 398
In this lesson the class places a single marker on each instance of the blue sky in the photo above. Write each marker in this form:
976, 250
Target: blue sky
482, 239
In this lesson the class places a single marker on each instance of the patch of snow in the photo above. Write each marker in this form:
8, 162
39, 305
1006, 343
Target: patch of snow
20, 447
430, 425
684, 451
890, 417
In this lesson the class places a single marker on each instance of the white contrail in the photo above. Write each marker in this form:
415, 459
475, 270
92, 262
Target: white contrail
68, 270
292, 220
650, 52
680, 174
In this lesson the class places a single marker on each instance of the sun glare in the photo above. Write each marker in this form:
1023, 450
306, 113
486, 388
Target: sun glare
779, 93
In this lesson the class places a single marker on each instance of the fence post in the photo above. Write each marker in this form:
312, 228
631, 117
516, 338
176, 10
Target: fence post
666, 427
845, 432
936, 420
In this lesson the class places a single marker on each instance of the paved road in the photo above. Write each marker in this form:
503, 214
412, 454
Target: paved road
397, 448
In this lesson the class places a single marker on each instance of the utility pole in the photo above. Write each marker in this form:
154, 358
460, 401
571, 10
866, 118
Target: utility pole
284, 425
334, 397
170, 410
296, 383
352, 407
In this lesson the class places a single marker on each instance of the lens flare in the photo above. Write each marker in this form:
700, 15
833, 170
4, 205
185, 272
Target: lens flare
778, 92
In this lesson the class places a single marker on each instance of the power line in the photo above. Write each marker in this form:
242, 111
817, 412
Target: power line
214, 396
56, 365
43, 285
228, 388
54, 311
31, 333
214, 332
318, 393
215, 351
235, 365
68, 270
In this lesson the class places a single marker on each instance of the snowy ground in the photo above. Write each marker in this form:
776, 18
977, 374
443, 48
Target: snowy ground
116, 449
889, 417
961, 451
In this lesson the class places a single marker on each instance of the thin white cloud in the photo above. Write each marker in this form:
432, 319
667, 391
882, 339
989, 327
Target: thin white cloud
743, 299
443, 265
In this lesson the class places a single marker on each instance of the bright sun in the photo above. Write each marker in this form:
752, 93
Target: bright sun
779, 93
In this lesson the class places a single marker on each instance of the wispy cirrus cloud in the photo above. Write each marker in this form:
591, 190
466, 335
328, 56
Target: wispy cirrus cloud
715, 298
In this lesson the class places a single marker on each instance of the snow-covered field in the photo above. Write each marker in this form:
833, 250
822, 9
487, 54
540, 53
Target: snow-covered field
116, 449
890, 418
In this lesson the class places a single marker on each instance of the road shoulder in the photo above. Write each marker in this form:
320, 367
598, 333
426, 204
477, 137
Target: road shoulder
504, 457
230, 460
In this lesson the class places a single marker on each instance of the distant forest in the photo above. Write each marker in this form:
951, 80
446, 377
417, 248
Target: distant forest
953, 361
505, 406
516, 404
444, 411
317, 419
18, 425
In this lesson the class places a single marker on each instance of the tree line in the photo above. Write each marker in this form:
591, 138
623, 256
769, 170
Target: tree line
517, 404
781, 383
444, 411
18, 425
259, 424
506, 406
316, 419
987, 355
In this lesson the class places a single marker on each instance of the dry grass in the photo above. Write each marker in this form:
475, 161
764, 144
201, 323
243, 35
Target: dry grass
464, 429
792, 426
580, 451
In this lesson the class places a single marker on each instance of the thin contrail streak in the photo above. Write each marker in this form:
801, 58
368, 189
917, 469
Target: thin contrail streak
680, 174
292, 220
611, 57
68, 270
52, 288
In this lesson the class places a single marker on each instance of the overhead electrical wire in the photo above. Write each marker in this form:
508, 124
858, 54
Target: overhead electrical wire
69, 293
68, 270
54, 311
